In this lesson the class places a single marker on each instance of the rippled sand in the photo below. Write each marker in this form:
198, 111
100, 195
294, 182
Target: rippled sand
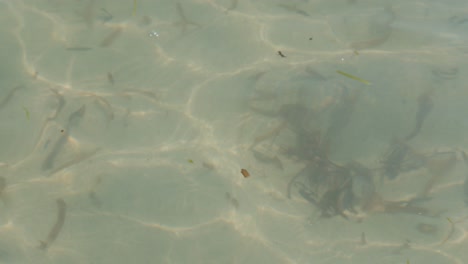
124, 129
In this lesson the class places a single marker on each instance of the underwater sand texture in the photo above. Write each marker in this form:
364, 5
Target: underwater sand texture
126, 129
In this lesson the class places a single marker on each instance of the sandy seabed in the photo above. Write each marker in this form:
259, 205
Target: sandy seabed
124, 129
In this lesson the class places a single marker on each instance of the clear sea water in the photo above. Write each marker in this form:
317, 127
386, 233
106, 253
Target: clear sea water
124, 126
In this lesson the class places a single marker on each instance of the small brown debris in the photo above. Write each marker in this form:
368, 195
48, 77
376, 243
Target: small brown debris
245, 173
281, 54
